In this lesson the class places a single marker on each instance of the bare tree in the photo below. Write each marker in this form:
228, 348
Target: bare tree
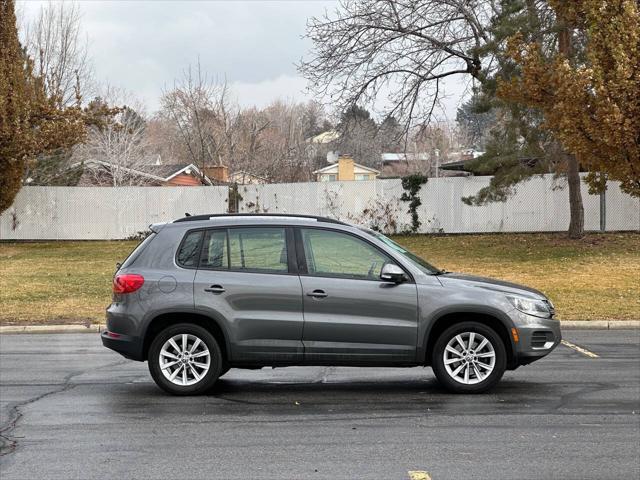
253, 124
278, 141
200, 124
204, 117
164, 140
55, 42
397, 49
115, 151
399, 52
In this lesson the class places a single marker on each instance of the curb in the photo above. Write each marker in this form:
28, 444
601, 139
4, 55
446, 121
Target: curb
601, 325
94, 328
100, 327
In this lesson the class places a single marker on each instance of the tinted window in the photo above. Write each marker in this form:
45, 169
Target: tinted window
137, 251
214, 250
336, 254
261, 249
188, 253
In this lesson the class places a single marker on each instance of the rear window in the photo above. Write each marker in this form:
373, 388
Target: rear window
137, 251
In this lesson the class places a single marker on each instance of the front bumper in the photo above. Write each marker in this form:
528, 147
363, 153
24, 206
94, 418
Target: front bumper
537, 337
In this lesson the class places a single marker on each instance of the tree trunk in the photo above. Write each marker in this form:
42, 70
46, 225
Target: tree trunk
576, 223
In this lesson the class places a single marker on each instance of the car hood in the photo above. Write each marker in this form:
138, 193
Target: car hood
452, 278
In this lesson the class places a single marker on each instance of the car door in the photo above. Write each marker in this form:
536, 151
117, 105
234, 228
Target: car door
244, 279
350, 315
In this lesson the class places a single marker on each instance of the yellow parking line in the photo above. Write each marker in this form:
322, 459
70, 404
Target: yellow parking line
583, 351
419, 475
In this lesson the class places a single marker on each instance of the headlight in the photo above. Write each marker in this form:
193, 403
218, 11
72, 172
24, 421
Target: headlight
537, 308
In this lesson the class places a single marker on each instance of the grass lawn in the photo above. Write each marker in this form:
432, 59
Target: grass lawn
594, 278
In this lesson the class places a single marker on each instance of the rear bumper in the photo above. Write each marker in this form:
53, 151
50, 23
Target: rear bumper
127, 346
537, 337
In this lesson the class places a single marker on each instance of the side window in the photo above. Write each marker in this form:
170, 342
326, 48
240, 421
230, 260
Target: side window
188, 253
260, 249
335, 254
214, 250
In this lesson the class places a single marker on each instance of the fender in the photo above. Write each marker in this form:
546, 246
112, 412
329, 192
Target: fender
428, 324
211, 315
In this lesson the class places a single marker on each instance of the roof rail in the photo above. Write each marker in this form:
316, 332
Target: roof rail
194, 218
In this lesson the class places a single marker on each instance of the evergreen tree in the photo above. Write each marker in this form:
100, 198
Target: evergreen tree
30, 122
519, 146
475, 121
391, 135
358, 136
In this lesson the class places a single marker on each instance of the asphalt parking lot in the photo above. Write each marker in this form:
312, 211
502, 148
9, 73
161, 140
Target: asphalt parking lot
73, 409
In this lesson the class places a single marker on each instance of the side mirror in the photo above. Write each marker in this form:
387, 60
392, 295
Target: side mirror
392, 273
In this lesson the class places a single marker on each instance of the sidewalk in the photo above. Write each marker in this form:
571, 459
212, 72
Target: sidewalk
99, 327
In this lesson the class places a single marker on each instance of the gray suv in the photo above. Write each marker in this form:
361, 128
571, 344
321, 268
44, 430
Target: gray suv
208, 293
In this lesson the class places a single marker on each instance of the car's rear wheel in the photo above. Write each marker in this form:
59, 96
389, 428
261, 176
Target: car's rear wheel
185, 359
469, 357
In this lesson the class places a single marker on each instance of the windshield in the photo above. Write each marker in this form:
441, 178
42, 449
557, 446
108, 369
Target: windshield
423, 265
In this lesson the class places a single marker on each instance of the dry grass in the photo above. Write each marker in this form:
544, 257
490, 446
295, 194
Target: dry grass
594, 278
57, 282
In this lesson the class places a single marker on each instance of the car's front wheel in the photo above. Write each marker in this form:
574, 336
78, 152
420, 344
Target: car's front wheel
185, 359
469, 357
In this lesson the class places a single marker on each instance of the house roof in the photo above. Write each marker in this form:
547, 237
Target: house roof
162, 173
166, 172
459, 166
244, 173
398, 157
325, 137
464, 165
357, 168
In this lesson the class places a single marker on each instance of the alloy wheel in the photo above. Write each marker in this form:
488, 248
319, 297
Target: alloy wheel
184, 359
469, 358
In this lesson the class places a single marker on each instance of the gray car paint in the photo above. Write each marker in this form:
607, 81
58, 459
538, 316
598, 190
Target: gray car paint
359, 321
262, 313
268, 320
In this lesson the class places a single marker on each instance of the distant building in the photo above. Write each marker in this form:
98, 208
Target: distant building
400, 164
322, 146
324, 137
345, 169
102, 173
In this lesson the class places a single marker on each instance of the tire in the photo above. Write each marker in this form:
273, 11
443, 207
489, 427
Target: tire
489, 362
190, 378
224, 371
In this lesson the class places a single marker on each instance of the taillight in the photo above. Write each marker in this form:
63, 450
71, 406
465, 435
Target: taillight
127, 283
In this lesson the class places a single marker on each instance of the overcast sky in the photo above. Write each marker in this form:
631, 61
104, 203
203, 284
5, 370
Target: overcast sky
143, 46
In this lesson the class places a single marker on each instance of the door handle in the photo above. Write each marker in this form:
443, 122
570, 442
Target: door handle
317, 294
214, 289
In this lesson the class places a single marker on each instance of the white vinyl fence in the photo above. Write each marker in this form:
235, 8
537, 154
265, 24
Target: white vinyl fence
102, 213
538, 205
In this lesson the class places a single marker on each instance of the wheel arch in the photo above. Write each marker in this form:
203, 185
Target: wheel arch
164, 320
494, 320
